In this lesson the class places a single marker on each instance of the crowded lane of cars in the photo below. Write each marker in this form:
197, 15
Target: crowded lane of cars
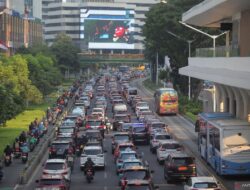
130, 147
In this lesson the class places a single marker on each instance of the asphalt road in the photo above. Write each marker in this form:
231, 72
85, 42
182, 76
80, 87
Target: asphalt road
107, 179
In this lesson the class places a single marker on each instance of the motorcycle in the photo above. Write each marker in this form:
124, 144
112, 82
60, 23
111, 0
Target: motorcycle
70, 160
17, 153
89, 175
24, 157
7, 160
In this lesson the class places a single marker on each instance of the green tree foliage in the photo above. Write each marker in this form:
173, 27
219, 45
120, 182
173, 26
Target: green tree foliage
43, 72
16, 88
163, 18
66, 53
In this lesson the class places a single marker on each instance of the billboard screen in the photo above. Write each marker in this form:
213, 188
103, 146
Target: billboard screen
108, 31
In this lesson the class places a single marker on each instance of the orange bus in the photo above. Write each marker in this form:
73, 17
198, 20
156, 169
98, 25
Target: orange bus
166, 101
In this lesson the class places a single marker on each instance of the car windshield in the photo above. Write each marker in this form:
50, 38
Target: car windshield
121, 118
158, 125
133, 174
205, 185
143, 104
53, 166
92, 134
138, 187
60, 146
131, 164
121, 137
94, 123
66, 130
92, 151
139, 129
163, 137
44, 182
183, 161
132, 92
123, 148
127, 156
171, 146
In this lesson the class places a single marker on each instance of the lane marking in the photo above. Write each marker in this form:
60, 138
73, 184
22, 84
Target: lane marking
105, 175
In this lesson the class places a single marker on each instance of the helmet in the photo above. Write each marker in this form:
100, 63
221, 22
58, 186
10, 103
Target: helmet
89, 159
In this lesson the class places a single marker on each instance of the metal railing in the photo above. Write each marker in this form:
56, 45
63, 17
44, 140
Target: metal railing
221, 51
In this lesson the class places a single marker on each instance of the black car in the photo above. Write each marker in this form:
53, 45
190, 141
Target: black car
60, 149
180, 166
139, 134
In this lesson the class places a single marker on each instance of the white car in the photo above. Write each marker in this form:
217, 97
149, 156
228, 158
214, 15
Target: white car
141, 105
57, 167
95, 153
78, 111
156, 139
141, 110
165, 148
202, 183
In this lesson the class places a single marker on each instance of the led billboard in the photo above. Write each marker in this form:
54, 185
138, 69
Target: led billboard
104, 29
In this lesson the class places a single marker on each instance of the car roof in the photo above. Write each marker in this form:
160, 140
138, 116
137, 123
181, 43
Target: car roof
137, 181
92, 147
180, 155
132, 160
169, 141
57, 160
203, 179
60, 142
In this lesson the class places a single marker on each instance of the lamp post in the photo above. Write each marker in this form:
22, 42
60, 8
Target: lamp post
189, 55
214, 37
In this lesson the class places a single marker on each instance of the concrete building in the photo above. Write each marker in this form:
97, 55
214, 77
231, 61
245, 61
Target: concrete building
17, 31
229, 68
32, 7
73, 16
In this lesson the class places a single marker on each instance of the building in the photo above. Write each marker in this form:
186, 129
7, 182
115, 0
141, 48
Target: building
17, 31
84, 21
31, 7
229, 66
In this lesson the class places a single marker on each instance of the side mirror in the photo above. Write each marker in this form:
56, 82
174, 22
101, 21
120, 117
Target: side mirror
37, 181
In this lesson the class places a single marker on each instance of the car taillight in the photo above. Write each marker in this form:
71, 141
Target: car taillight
52, 150
155, 141
101, 127
88, 126
65, 172
45, 173
120, 161
182, 168
162, 149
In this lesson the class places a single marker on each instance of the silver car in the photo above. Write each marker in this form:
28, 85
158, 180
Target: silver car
165, 148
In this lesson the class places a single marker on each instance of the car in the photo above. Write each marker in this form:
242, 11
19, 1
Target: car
135, 172
125, 127
48, 182
138, 185
94, 135
57, 167
123, 146
179, 166
94, 124
155, 126
120, 109
142, 114
139, 105
133, 162
139, 110
79, 112
139, 134
119, 137
119, 119
60, 149
86, 101
127, 154
95, 153
66, 130
165, 148
202, 183
156, 139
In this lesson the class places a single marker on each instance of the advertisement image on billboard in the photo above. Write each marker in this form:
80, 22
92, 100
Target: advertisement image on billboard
108, 31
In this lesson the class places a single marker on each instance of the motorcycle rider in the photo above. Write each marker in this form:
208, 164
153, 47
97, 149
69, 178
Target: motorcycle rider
22, 137
8, 151
89, 165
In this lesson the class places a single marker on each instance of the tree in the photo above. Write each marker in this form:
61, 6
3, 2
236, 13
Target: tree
161, 19
66, 53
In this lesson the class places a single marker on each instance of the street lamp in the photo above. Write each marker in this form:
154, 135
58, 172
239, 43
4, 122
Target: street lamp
214, 37
189, 55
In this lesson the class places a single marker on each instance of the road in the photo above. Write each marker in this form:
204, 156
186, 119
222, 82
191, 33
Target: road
106, 179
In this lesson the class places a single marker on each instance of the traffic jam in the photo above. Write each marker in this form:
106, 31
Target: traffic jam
107, 109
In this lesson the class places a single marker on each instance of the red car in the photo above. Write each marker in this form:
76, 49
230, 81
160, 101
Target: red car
52, 182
